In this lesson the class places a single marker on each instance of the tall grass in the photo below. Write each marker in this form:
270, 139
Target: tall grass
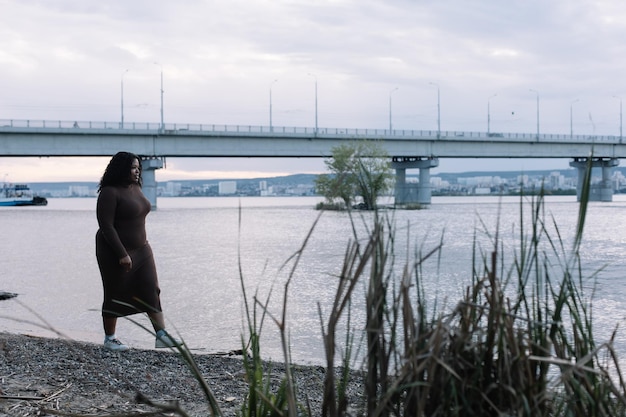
519, 342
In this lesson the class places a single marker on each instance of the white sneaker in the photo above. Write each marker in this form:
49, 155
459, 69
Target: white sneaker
115, 345
166, 341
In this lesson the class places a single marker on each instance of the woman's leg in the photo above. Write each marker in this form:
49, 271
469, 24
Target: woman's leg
158, 322
111, 342
109, 325
163, 339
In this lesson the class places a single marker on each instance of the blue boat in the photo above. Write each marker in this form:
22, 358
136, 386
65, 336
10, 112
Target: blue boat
19, 195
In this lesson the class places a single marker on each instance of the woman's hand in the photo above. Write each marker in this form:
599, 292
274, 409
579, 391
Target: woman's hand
126, 263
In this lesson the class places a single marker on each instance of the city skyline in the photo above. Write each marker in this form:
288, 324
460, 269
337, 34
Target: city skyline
464, 183
62, 169
521, 66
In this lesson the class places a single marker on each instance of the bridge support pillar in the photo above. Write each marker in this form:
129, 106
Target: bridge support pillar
419, 193
602, 191
149, 164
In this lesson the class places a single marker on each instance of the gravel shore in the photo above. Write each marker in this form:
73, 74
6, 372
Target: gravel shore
48, 376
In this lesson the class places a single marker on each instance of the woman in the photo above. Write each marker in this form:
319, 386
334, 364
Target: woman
124, 255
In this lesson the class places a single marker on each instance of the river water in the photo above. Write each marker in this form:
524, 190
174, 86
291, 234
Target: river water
203, 246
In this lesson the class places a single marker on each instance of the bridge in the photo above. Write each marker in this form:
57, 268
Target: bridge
409, 149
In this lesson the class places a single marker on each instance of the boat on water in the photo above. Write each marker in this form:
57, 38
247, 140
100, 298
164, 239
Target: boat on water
20, 195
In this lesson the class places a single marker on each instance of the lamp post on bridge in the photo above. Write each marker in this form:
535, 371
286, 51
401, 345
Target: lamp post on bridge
271, 84
537, 92
162, 123
315, 77
620, 118
122, 98
438, 110
571, 118
489, 114
390, 125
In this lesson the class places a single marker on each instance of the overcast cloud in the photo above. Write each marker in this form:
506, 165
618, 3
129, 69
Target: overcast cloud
66, 59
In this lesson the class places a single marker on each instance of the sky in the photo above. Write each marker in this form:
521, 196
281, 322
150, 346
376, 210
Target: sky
222, 60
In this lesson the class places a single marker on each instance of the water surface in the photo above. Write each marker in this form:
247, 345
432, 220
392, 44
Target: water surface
205, 247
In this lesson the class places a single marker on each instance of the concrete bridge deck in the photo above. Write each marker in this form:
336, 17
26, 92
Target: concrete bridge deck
67, 138
409, 149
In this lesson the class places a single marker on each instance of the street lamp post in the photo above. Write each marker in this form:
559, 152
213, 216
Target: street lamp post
620, 118
489, 114
438, 111
122, 98
571, 118
162, 123
315, 77
537, 92
271, 84
390, 124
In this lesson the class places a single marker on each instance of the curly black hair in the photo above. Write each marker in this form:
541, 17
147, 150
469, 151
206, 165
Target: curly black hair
118, 170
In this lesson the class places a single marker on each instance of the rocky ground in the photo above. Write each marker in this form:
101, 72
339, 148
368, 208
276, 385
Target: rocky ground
47, 376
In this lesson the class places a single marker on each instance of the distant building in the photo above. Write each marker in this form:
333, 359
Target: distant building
79, 191
522, 180
477, 181
438, 183
618, 180
173, 189
556, 180
227, 187
263, 190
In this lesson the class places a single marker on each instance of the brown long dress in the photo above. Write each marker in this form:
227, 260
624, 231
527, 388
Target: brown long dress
121, 212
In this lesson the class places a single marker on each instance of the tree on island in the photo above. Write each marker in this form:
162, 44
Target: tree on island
358, 169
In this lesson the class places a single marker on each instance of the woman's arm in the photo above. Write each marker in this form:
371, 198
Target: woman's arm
105, 213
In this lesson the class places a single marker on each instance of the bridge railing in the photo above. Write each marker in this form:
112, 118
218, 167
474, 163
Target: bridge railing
182, 128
